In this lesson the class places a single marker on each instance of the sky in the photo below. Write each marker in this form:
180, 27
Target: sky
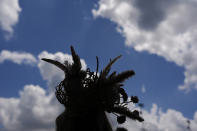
157, 39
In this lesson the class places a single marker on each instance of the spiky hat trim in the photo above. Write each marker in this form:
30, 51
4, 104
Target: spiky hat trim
83, 90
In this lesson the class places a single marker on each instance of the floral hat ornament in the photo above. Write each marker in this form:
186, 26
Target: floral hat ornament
83, 91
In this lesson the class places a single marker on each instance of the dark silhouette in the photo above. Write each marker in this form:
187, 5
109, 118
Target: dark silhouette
87, 95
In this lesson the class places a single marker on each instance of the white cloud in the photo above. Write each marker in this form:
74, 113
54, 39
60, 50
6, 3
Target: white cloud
9, 14
51, 73
34, 110
17, 57
157, 120
173, 37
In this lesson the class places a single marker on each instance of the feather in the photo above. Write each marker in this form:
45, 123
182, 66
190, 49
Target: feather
76, 60
108, 67
112, 75
122, 76
56, 63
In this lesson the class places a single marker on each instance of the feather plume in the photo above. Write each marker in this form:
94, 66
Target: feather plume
122, 76
56, 63
108, 67
76, 59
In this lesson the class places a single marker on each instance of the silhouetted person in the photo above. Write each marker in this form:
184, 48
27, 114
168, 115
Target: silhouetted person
86, 96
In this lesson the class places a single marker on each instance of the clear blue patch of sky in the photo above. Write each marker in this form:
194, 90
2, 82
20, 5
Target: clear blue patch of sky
14, 77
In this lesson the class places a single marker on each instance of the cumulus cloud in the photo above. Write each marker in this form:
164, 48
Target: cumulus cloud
51, 73
164, 28
34, 110
152, 12
9, 14
17, 57
157, 120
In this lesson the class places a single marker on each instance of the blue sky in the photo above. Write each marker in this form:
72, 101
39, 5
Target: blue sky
153, 37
